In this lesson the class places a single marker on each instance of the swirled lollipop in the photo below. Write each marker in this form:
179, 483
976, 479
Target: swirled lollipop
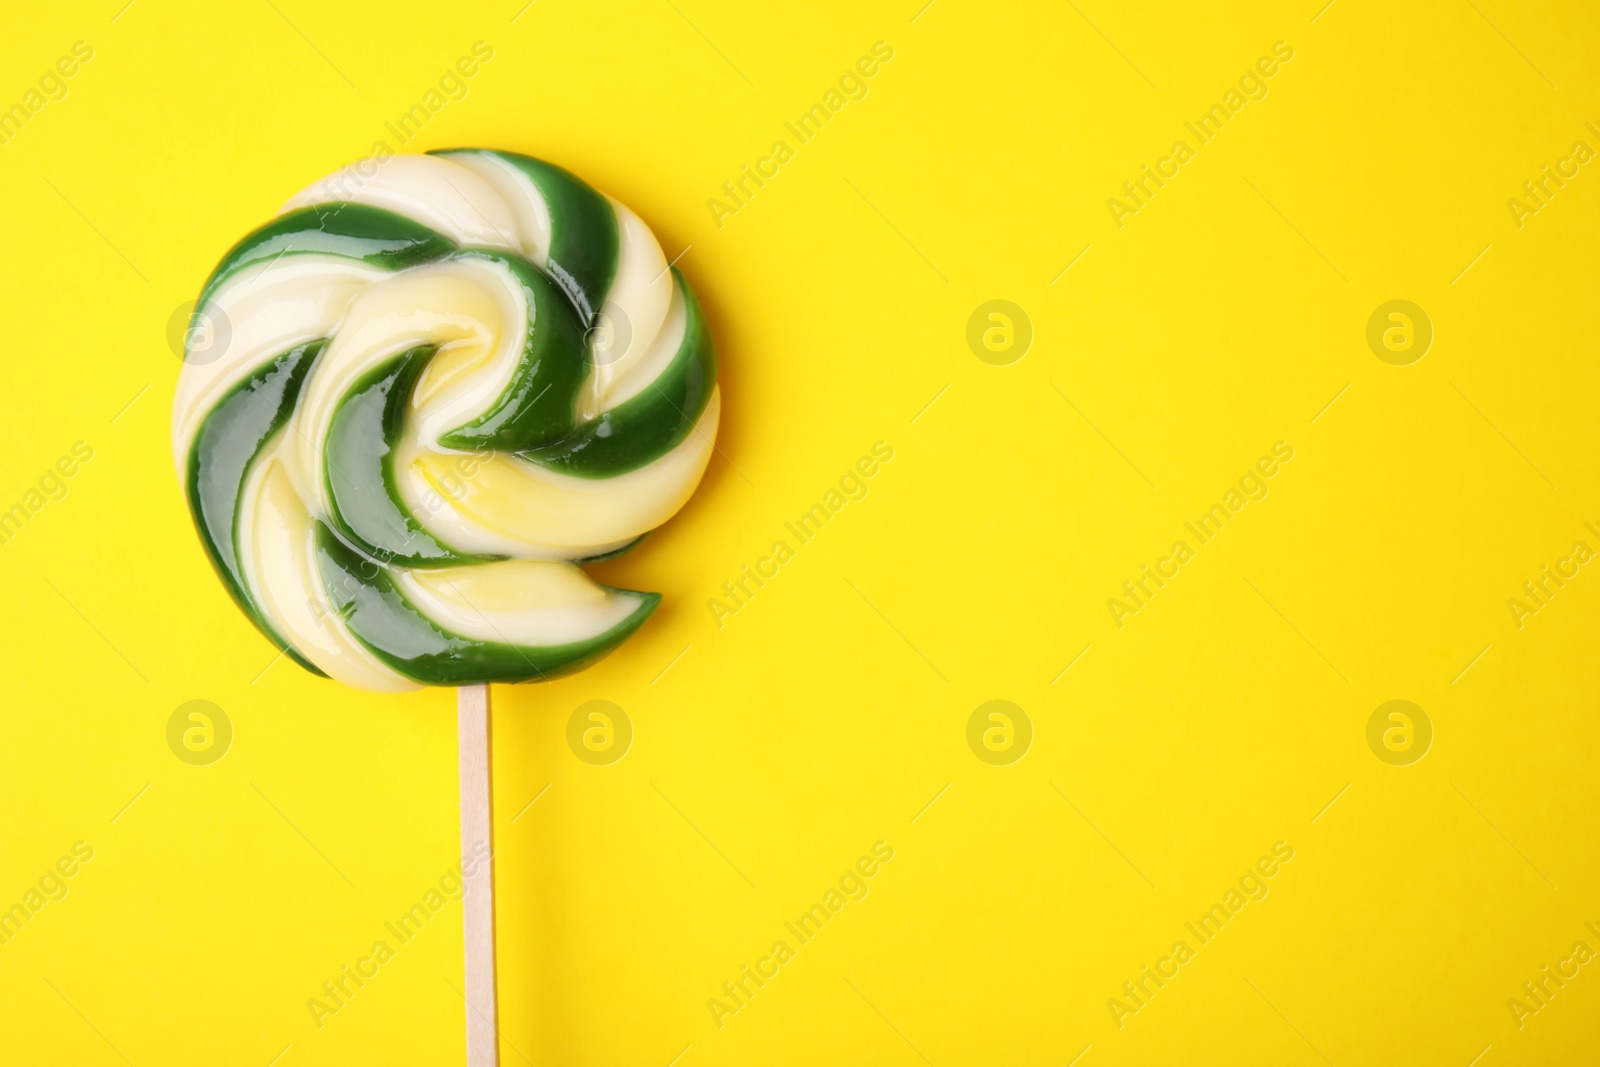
429, 389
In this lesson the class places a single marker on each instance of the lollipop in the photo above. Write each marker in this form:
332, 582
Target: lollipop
412, 404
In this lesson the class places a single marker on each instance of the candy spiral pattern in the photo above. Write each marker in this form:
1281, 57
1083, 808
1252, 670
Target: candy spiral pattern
419, 397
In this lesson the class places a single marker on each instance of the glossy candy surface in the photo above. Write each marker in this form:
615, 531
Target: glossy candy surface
429, 388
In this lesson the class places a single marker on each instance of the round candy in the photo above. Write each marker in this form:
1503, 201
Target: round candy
418, 398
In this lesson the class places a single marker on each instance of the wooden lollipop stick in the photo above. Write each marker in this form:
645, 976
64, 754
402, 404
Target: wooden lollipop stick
477, 851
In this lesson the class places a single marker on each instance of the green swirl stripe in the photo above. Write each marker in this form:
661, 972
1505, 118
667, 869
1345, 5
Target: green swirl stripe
358, 468
648, 426
352, 231
539, 404
583, 229
620, 550
385, 621
230, 440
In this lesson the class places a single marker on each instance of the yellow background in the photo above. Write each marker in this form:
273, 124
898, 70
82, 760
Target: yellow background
830, 711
